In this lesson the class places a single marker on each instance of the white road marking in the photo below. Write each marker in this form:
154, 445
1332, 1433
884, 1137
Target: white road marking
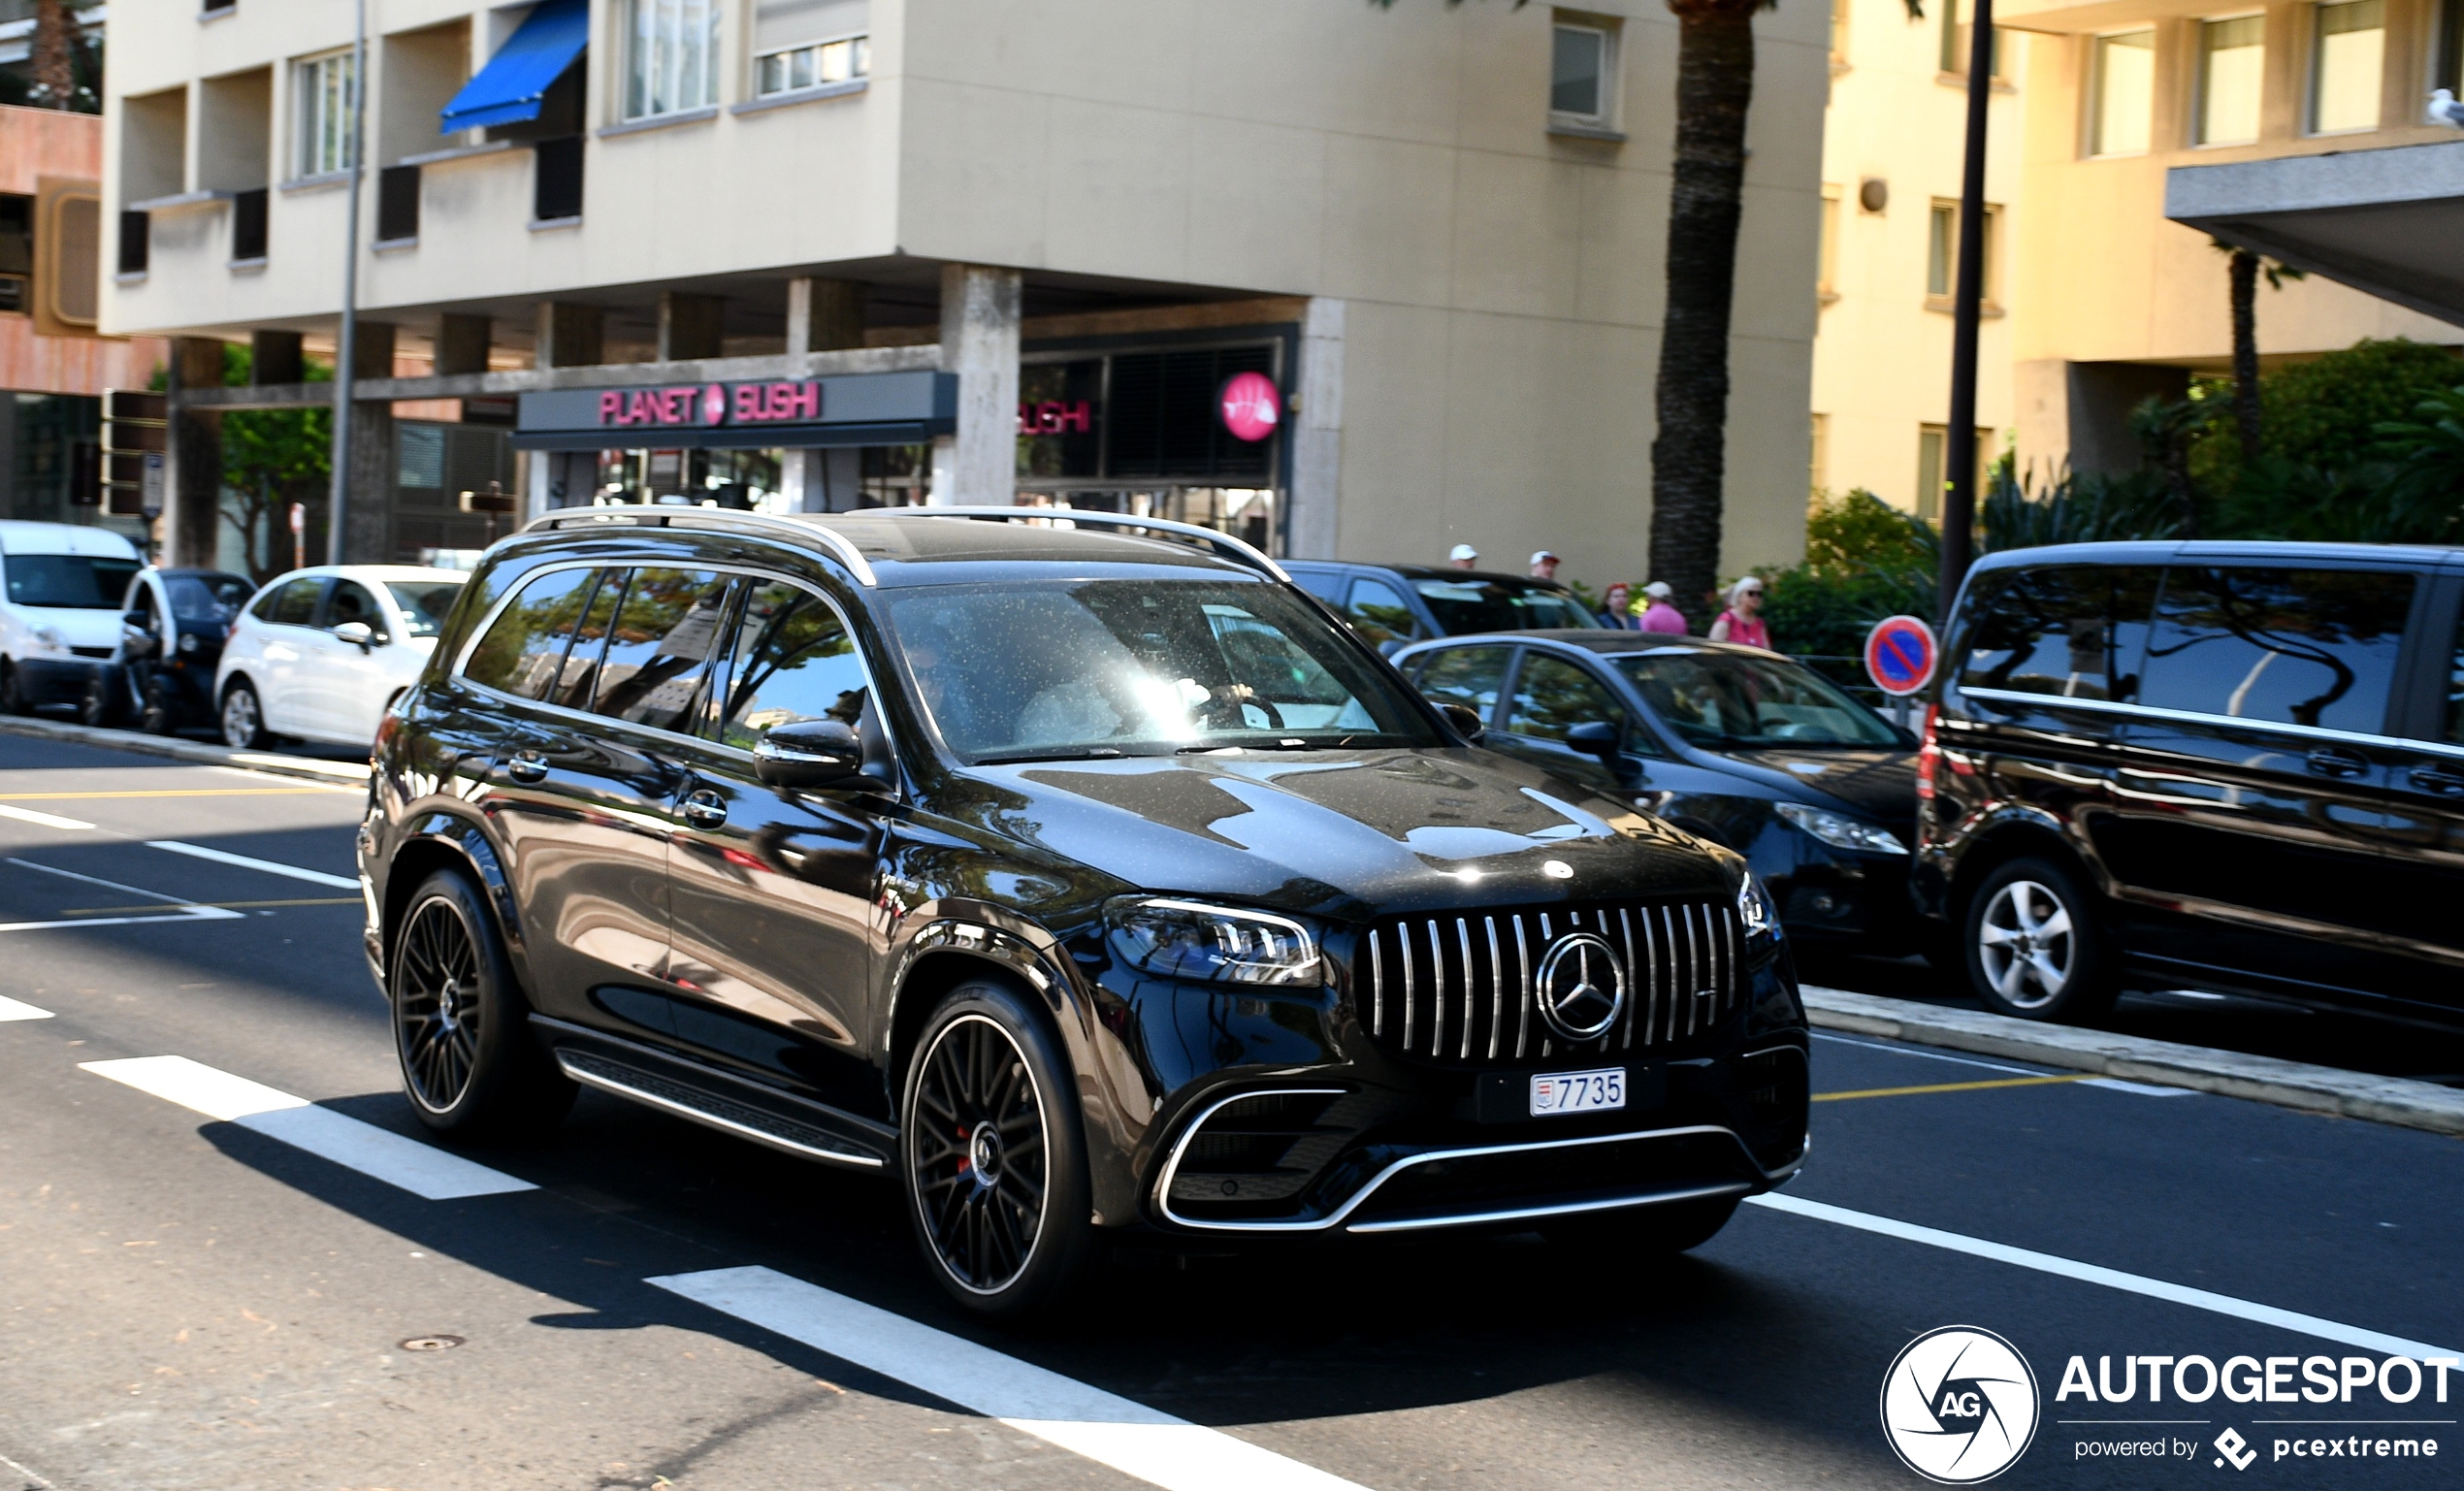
178, 907
421, 1169
2142, 1088
269, 866
2111, 1279
1931, 1055
47, 819
1131, 1438
11, 1009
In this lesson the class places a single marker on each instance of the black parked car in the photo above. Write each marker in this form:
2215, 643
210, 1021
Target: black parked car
1089, 884
2227, 766
1732, 744
1396, 605
173, 624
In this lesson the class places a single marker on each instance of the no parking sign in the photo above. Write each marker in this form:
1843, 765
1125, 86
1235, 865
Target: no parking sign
1900, 655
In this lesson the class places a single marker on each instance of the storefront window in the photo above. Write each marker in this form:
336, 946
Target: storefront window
748, 480
673, 60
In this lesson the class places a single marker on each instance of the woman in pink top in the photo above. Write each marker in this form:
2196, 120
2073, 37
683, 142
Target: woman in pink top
1742, 621
1661, 615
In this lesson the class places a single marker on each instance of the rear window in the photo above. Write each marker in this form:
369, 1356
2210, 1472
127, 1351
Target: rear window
2313, 647
2073, 632
1468, 606
205, 597
424, 602
68, 580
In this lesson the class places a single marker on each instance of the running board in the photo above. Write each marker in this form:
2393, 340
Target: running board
727, 1116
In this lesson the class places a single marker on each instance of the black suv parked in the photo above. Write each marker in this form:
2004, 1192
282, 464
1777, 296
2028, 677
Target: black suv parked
1085, 881
1396, 605
2225, 766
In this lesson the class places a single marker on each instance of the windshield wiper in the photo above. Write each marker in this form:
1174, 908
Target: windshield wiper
1083, 754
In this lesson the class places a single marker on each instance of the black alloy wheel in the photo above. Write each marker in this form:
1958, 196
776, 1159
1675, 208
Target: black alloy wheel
2035, 947
242, 718
995, 1166
470, 1064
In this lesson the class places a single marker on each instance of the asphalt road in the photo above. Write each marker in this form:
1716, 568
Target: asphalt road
189, 1300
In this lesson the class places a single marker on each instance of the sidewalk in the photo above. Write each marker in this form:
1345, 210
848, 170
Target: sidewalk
197, 750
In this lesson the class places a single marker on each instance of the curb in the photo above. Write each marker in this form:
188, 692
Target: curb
306, 768
2396, 1100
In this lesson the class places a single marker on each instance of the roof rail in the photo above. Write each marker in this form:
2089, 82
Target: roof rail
800, 528
1222, 542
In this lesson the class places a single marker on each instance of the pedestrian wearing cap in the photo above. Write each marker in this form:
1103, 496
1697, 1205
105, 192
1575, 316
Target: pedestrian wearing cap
1464, 557
1742, 621
1543, 566
1662, 614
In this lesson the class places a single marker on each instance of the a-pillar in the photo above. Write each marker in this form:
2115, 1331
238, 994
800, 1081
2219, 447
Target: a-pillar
192, 485
979, 344
822, 315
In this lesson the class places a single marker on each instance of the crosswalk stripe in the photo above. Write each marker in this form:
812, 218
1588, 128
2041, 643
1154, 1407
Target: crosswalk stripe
243, 862
1131, 1438
423, 1170
11, 1009
47, 819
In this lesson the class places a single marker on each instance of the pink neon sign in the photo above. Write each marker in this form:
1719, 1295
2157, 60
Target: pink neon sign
1251, 407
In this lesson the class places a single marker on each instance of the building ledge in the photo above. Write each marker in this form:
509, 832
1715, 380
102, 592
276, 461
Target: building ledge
1959, 81
551, 224
129, 277
1572, 129
323, 181
681, 117
387, 245
457, 153
1949, 306
851, 86
180, 201
255, 266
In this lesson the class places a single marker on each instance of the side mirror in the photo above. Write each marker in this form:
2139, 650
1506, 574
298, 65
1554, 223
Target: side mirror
135, 621
1466, 720
810, 756
1595, 737
358, 633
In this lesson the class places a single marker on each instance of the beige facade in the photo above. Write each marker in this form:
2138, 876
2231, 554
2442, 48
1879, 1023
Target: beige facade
1893, 152
1473, 284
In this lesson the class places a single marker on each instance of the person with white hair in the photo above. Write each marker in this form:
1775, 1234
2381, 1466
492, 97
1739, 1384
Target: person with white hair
1662, 614
1464, 557
1742, 621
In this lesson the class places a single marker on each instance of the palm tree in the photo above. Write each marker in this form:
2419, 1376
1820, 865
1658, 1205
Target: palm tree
54, 75
2242, 271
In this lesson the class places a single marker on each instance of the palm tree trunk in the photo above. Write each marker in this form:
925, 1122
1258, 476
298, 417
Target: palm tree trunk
54, 80
1715, 87
2244, 275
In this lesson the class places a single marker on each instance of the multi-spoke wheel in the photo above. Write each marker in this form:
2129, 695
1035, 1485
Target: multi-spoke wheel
469, 1065
243, 717
2032, 944
995, 1167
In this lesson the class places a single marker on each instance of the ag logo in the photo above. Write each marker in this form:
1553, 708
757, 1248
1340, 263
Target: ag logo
1960, 1405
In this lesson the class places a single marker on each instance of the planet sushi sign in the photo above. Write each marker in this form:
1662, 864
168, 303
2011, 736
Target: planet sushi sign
1250, 405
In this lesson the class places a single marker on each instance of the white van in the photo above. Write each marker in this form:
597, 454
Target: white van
60, 590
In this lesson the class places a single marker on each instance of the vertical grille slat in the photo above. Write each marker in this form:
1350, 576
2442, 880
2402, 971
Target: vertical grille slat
1437, 989
1470, 988
1403, 940
1633, 979
1376, 987
1497, 989
1523, 981
1693, 969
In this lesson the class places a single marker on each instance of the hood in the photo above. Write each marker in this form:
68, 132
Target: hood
1879, 783
1351, 835
77, 625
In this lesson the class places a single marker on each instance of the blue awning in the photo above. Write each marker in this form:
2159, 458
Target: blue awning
508, 90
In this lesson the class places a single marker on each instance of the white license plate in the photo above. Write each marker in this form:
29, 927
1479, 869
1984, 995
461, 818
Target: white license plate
1556, 1092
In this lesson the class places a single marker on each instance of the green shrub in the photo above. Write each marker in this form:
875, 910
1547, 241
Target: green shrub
2323, 413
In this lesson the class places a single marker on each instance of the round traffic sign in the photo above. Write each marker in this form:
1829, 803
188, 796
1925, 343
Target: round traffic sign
1900, 655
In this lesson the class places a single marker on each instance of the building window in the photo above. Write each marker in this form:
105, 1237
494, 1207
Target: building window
1581, 74
1932, 461
671, 60
2346, 54
2232, 62
1955, 42
814, 65
322, 115
1826, 286
1942, 251
2447, 69
17, 252
2123, 100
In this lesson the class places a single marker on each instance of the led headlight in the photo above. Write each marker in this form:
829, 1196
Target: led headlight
1222, 944
1754, 908
1839, 830
187, 642
49, 637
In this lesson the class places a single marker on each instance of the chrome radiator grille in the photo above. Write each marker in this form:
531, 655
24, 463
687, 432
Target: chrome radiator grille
1460, 988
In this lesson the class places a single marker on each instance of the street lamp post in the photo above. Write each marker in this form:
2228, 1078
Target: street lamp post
346, 346
1958, 499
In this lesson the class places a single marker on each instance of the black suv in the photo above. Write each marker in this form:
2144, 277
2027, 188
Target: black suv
1086, 883
2225, 767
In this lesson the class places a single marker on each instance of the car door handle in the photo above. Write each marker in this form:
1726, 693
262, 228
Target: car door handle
526, 765
2327, 762
704, 808
2437, 779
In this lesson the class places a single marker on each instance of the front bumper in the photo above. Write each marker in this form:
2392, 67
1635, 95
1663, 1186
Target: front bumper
55, 680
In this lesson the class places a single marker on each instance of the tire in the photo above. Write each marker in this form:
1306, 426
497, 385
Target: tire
105, 704
990, 1095
1655, 1231
2035, 944
243, 717
161, 713
13, 700
470, 1067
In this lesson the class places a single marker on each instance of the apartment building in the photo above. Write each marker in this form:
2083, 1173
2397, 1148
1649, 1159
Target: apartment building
1350, 280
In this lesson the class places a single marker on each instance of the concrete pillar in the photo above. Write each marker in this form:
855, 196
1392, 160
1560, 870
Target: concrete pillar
690, 325
274, 357
368, 537
570, 334
462, 344
822, 315
192, 486
979, 344
1313, 529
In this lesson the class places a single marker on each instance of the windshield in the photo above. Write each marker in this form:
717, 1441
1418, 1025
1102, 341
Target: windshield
207, 598
1726, 700
1076, 668
68, 580
1501, 605
424, 602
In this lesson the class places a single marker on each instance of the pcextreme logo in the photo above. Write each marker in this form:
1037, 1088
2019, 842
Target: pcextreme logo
1960, 1405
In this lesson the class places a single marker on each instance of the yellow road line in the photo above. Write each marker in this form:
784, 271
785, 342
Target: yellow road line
167, 792
1950, 1086
96, 911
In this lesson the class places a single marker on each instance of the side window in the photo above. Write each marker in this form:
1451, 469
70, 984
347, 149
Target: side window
525, 645
1469, 677
1378, 614
573, 681
793, 660
1552, 696
1326, 585
351, 601
295, 603
2073, 632
660, 647
2313, 647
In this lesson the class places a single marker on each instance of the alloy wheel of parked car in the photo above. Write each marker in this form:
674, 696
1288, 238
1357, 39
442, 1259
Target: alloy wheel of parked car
2032, 943
243, 719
